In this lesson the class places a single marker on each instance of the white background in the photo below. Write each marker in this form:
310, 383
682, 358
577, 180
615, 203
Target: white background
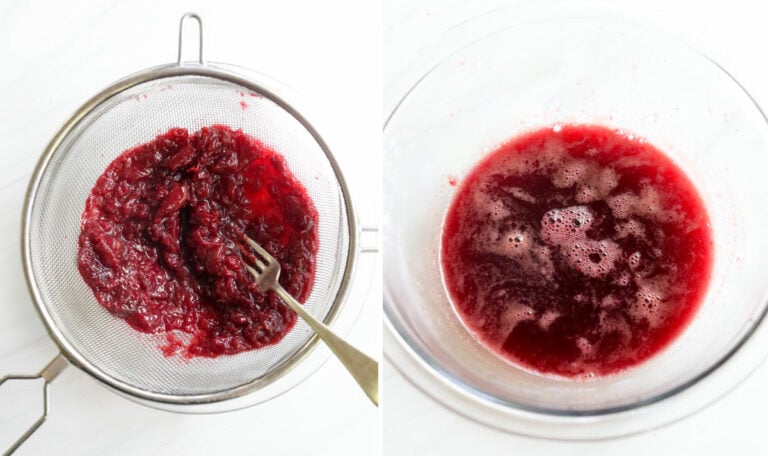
54, 55
735, 33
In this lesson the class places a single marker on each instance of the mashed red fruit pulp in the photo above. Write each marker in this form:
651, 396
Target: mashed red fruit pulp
576, 251
159, 235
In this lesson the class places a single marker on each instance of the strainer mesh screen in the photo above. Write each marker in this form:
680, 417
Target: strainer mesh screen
136, 116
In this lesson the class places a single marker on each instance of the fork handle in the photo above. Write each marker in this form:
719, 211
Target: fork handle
363, 368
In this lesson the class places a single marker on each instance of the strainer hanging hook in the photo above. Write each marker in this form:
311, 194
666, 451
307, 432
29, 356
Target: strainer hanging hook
184, 19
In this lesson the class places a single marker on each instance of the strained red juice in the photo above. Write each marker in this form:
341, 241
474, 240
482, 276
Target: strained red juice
576, 250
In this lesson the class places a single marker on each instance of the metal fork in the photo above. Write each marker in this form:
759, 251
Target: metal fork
365, 370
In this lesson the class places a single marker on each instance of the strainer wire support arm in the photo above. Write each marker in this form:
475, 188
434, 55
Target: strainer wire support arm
48, 374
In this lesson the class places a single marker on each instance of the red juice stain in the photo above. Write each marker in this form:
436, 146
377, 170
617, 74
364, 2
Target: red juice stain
160, 231
173, 345
576, 251
243, 105
452, 181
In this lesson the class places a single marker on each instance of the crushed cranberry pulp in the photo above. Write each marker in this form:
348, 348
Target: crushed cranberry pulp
576, 251
160, 234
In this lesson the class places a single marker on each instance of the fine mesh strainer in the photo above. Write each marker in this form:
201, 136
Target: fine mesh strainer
134, 111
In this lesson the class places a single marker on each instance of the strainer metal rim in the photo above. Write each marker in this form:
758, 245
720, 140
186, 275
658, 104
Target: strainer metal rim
264, 87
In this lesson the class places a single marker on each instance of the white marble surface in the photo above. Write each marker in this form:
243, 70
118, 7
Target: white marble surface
414, 424
54, 55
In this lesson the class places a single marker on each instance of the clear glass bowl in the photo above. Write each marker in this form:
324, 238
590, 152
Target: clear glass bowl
571, 67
